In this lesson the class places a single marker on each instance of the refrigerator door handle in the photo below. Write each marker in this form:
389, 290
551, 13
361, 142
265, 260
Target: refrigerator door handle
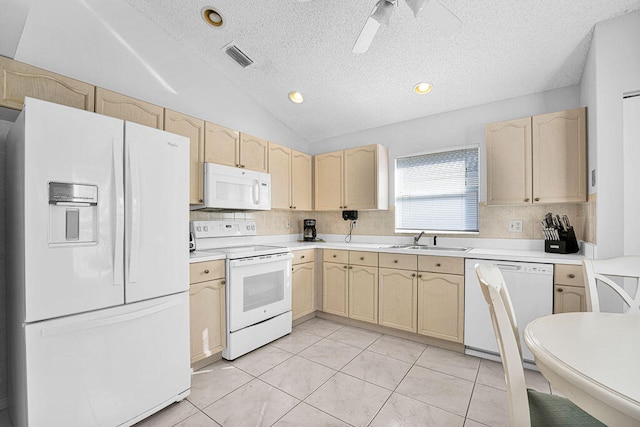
118, 245
134, 248
106, 321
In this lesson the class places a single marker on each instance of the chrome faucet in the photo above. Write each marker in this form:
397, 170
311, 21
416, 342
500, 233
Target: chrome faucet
417, 238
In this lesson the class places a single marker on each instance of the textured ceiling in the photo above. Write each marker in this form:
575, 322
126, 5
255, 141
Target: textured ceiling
503, 49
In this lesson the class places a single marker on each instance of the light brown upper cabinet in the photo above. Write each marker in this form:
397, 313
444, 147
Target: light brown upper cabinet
20, 80
357, 178
539, 159
290, 178
123, 107
232, 148
194, 129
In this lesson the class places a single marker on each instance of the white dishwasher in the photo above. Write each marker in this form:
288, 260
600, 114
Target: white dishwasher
531, 289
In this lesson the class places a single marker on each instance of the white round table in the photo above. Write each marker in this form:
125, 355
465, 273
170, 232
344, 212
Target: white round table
593, 359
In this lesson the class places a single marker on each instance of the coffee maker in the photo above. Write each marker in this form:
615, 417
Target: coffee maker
309, 230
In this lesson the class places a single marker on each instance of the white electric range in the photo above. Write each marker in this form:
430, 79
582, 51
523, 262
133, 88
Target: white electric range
258, 281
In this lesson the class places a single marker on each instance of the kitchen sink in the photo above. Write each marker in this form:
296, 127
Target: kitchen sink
428, 248
437, 248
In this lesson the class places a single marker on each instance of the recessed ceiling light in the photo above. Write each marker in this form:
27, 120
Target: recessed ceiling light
422, 88
296, 97
212, 17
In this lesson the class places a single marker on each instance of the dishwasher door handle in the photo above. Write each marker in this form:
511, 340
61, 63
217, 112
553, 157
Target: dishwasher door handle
509, 267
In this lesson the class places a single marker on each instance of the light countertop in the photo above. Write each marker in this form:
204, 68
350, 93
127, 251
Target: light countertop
478, 253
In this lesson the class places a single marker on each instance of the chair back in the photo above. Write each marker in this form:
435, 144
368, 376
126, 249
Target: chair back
602, 271
503, 318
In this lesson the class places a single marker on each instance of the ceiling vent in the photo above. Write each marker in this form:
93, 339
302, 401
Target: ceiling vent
237, 55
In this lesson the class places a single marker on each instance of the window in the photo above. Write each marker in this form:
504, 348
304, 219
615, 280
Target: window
437, 191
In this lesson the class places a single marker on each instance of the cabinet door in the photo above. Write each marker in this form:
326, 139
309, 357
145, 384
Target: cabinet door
193, 129
509, 162
334, 288
398, 302
301, 181
328, 181
280, 170
567, 299
560, 157
221, 145
253, 153
20, 80
302, 300
441, 306
360, 177
363, 293
130, 109
207, 319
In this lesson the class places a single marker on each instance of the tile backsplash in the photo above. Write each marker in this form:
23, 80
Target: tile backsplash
494, 220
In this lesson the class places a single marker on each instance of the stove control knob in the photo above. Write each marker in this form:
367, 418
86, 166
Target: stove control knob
253, 227
206, 228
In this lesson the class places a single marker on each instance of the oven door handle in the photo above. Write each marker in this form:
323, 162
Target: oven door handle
244, 262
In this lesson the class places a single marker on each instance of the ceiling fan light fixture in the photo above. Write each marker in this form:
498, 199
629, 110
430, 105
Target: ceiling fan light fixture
382, 12
417, 6
212, 17
422, 88
295, 97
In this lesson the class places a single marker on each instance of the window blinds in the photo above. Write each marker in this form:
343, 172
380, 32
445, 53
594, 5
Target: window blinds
438, 191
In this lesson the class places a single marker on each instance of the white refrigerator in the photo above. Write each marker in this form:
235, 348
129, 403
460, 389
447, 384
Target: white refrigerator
98, 218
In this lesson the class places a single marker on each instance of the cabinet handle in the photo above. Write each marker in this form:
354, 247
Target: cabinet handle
560, 290
350, 267
537, 199
335, 256
413, 275
361, 258
526, 200
438, 265
241, 166
200, 200
572, 276
237, 165
419, 276
206, 272
291, 268
290, 207
341, 207
223, 282
395, 261
345, 207
345, 267
301, 256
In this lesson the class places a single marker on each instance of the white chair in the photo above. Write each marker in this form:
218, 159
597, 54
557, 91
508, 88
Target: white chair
526, 407
601, 271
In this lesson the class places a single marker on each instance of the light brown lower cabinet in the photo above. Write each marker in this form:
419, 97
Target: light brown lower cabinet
363, 293
441, 306
398, 298
207, 309
567, 299
334, 288
302, 280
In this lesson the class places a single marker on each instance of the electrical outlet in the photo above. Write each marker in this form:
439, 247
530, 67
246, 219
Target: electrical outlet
288, 224
515, 226
355, 223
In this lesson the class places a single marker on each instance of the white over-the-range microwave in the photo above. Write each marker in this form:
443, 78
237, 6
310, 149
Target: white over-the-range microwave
227, 187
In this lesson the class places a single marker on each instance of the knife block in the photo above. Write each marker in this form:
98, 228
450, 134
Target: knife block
566, 245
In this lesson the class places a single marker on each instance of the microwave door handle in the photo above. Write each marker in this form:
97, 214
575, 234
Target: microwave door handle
256, 192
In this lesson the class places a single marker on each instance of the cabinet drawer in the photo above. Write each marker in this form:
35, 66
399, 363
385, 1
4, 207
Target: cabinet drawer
305, 255
363, 258
208, 270
568, 275
401, 261
334, 255
441, 264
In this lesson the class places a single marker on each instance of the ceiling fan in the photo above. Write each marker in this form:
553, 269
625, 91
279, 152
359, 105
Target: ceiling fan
437, 14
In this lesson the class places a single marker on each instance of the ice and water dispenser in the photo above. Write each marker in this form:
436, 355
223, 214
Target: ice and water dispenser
73, 213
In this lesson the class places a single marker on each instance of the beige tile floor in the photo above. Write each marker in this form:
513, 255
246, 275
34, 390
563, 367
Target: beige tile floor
328, 374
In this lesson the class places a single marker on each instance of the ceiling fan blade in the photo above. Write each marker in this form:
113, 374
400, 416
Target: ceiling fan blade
379, 15
366, 36
441, 17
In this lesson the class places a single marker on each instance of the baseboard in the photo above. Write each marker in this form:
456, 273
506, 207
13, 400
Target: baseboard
422, 339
